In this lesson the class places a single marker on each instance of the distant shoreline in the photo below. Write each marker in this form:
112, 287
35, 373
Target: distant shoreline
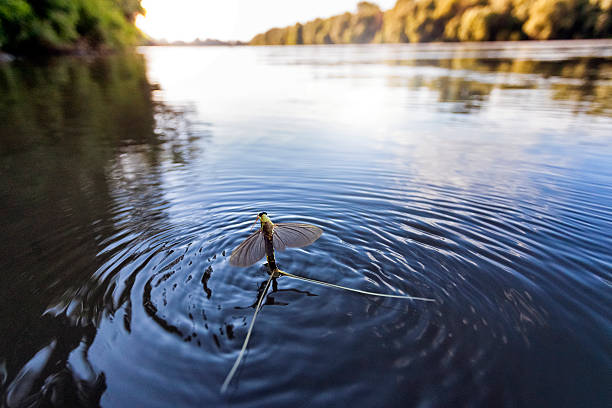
481, 44
209, 42
599, 42
410, 21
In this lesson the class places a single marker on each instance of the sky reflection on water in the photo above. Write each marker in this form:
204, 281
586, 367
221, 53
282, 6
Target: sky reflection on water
477, 175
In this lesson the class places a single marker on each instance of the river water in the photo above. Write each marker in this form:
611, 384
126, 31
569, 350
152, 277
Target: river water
476, 175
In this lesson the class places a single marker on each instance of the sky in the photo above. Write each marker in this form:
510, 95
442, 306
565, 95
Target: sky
227, 20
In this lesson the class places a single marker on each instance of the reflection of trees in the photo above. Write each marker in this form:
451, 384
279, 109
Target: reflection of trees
99, 101
465, 95
575, 68
593, 94
587, 97
62, 387
80, 141
584, 81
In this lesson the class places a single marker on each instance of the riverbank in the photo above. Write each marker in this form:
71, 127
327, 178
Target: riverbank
408, 22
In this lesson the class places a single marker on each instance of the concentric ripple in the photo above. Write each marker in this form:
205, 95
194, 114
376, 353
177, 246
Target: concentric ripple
458, 184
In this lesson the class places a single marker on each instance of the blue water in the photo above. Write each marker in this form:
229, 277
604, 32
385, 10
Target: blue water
476, 175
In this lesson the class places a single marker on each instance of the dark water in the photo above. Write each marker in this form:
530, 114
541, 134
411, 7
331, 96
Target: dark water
480, 176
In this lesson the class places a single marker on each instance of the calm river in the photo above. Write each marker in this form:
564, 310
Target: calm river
477, 175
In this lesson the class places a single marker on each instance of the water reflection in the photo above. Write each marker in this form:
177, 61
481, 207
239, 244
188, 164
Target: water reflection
271, 299
585, 83
83, 145
474, 175
69, 377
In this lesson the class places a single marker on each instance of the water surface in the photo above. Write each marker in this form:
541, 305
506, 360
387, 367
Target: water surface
477, 175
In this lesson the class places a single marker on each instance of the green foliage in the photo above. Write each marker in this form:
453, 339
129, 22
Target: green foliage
454, 20
130, 8
14, 15
67, 25
313, 30
294, 34
365, 23
550, 19
394, 23
420, 24
276, 36
476, 24
259, 39
340, 28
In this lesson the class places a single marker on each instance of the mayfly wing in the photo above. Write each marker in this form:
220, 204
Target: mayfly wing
249, 251
294, 235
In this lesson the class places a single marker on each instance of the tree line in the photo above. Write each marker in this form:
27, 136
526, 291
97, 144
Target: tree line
33, 26
452, 20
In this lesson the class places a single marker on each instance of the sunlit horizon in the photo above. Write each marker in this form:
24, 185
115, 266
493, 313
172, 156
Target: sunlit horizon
230, 20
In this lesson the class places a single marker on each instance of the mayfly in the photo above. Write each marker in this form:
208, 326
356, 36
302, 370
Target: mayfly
281, 236
270, 237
